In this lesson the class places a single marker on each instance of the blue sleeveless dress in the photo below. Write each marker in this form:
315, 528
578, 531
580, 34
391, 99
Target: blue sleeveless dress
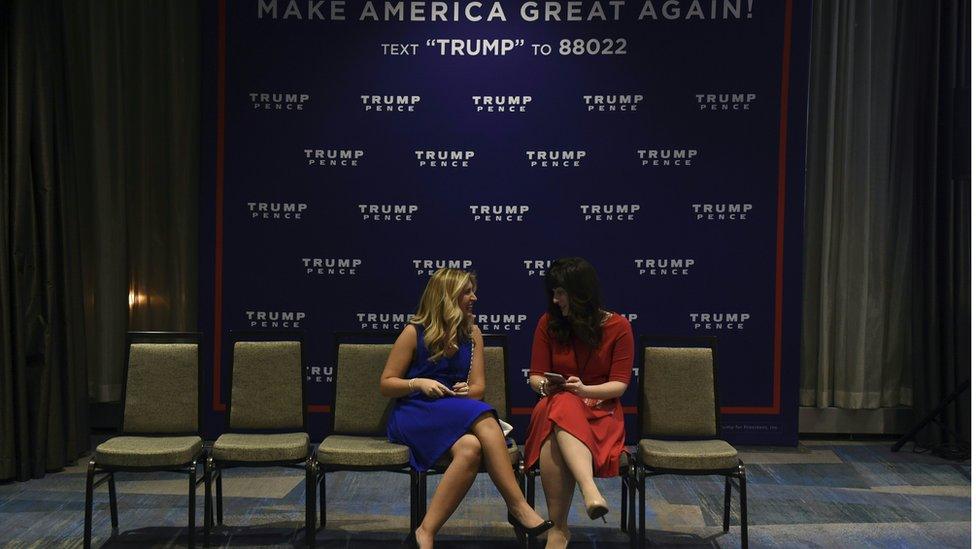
431, 426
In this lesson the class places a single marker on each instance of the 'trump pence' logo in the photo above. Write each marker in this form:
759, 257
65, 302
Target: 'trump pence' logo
388, 212
721, 212
288, 211
501, 103
330, 266
555, 159
612, 102
443, 159
334, 158
741, 101
609, 212
497, 213
665, 158
536, 267
382, 321
664, 267
319, 374
278, 101
389, 103
274, 319
719, 321
501, 322
429, 266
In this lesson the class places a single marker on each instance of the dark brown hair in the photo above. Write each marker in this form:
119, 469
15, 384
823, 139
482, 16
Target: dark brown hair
585, 320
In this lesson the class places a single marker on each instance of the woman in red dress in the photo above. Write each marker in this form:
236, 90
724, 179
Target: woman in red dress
577, 427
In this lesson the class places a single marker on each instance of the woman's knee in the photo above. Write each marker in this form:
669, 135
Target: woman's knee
468, 449
485, 419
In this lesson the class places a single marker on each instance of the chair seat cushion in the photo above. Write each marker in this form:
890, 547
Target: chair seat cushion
261, 447
132, 451
361, 451
691, 455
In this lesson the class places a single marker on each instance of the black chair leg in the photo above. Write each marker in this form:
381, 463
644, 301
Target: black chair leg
89, 488
633, 508
623, 504
530, 488
309, 502
322, 498
642, 495
743, 508
113, 503
207, 503
192, 505
728, 501
413, 501
220, 494
421, 497
311, 473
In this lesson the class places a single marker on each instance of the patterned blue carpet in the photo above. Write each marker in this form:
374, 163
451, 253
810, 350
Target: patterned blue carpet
821, 494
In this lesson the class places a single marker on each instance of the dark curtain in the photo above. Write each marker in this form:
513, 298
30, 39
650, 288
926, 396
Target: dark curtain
133, 83
941, 270
43, 395
99, 162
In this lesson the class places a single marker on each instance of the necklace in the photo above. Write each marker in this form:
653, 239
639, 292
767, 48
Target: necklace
582, 366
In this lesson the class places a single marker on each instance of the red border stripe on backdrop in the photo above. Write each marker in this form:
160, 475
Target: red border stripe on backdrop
774, 409
784, 102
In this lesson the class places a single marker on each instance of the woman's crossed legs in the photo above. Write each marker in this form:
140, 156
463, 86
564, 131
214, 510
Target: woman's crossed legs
484, 441
565, 462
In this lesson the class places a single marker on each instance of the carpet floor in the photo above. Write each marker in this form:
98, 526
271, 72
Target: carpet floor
820, 494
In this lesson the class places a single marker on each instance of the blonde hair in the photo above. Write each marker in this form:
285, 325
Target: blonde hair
445, 324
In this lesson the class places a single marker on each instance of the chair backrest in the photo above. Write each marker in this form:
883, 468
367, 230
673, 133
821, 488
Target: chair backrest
267, 385
358, 407
496, 375
678, 396
161, 394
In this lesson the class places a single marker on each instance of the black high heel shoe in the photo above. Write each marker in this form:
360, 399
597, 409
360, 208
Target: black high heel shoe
522, 531
411, 541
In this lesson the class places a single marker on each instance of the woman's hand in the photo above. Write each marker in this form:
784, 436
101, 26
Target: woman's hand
461, 389
431, 388
575, 385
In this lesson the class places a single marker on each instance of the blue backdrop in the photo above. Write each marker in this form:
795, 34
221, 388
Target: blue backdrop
352, 148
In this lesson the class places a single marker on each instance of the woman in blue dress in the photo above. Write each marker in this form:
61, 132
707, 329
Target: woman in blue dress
436, 371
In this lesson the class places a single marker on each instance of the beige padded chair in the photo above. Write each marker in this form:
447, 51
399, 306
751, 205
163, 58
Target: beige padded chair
161, 420
358, 440
266, 419
496, 394
678, 413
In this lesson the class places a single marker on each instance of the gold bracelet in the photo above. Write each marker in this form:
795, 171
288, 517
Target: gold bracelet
410, 384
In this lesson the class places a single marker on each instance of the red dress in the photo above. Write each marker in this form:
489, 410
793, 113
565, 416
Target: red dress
601, 427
